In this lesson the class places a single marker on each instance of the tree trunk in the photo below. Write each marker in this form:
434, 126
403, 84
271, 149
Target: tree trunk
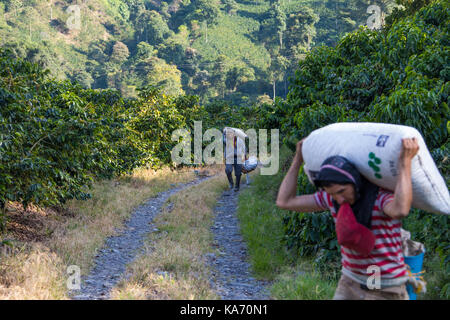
274, 89
336, 18
285, 85
2, 216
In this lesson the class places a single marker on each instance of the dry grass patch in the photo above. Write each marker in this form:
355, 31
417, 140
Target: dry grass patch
174, 263
46, 241
112, 202
32, 274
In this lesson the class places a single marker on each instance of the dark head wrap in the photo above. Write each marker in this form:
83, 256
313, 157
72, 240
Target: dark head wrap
339, 170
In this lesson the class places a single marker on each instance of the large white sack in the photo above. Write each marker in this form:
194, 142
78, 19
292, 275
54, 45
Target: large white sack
238, 132
374, 149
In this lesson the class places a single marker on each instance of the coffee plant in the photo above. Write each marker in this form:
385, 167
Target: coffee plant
399, 75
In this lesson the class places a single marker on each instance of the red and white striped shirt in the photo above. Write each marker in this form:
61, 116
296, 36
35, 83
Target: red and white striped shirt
387, 253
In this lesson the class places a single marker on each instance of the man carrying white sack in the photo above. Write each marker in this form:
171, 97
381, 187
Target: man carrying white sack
234, 153
367, 219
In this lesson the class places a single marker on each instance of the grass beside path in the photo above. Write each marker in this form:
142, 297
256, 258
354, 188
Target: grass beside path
45, 242
262, 229
173, 265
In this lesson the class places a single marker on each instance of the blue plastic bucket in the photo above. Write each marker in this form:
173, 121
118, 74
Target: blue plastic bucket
415, 266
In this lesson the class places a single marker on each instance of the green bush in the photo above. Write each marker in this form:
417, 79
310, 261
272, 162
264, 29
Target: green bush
56, 137
396, 75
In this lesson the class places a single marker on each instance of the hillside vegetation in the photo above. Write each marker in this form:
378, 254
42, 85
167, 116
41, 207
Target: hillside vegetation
398, 75
83, 103
57, 137
240, 51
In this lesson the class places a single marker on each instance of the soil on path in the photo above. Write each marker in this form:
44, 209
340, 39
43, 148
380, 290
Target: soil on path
232, 278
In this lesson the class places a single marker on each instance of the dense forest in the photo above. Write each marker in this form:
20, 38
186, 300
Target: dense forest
239, 51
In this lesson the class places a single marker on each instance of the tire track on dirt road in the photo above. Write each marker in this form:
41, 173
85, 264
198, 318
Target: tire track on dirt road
232, 278
118, 251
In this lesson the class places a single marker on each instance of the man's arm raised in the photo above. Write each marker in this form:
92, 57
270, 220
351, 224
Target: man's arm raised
287, 198
400, 206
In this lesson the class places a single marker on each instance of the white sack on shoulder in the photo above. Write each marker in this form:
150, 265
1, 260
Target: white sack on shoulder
238, 132
374, 148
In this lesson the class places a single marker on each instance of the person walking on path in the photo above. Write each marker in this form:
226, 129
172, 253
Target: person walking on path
234, 153
367, 219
